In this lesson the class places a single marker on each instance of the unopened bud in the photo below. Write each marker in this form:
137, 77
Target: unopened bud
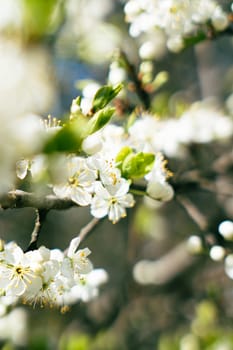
219, 20
194, 244
147, 51
175, 44
217, 253
226, 229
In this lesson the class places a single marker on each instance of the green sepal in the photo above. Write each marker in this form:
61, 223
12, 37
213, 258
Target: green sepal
104, 95
99, 120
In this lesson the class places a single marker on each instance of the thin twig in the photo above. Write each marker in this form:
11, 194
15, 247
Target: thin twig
87, 229
40, 217
140, 91
193, 212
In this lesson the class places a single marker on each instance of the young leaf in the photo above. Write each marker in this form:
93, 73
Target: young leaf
69, 138
104, 95
124, 152
137, 165
98, 121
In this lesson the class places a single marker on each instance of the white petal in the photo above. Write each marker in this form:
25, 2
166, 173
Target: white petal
73, 246
80, 196
62, 191
99, 208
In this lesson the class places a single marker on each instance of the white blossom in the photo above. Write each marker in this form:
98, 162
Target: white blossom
47, 277
111, 200
178, 19
80, 179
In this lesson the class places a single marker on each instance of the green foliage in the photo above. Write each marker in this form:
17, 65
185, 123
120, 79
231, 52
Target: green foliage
105, 95
134, 165
39, 17
69, 138
99, 120
205, 332
75, 342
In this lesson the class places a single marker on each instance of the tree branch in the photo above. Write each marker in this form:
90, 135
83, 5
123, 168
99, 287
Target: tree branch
40, 217
193, 212
20, 199
140, 91
87, 229
163, 270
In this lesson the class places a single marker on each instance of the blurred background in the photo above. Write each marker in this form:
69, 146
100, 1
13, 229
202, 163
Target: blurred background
186, 302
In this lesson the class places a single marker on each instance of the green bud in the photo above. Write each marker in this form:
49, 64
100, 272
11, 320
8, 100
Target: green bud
160, 79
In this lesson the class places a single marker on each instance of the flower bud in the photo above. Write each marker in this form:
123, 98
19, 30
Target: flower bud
175, 44
226, 229
217, 253
147, 50
160, 190
229, 265
219, 19
194, 244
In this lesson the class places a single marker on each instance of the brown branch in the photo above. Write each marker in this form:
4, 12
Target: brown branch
140, 91
20, 199
87, 229
40, 217
163, 270
193, 212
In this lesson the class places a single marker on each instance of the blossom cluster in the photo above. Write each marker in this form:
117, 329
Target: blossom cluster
103, 175
173, 135
176, 19
47, 277
97, 180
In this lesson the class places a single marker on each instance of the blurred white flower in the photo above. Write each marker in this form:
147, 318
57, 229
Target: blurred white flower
176, 18
229, 265
13, 327
225, 229
27, 84
217, 253
11, 16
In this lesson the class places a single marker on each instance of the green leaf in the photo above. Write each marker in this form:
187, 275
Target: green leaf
104, 95
39, 17
69, 138
130, 120
137, 165
75, 342
99, 120
124, 152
